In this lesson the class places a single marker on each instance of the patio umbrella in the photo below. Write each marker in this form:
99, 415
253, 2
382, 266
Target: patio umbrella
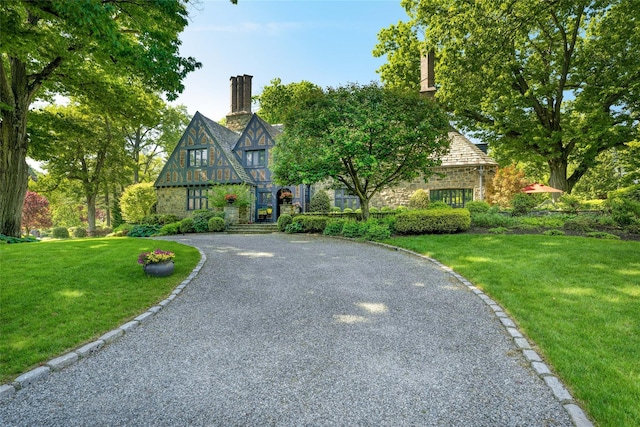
539, 188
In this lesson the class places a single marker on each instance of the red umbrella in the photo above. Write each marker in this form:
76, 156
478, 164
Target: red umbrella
539, 188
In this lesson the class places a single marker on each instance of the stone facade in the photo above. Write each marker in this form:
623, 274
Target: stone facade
172, 200
443, 178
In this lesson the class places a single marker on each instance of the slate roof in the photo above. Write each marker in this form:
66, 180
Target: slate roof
227, 140
463, 152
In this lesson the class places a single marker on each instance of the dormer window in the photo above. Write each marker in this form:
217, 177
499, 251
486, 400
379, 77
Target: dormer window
255, 158
197, 157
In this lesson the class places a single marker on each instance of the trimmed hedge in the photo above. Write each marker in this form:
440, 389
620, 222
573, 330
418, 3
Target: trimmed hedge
60, 233
216, 224
433, 221
311, 223
283, 221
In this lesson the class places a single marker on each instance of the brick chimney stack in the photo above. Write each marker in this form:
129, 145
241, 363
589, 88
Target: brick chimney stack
428, 75
240, 113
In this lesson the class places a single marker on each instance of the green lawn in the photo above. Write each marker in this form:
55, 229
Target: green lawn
56, 295
577, 298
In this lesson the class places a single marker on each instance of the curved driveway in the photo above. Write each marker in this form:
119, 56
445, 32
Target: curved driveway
296, 330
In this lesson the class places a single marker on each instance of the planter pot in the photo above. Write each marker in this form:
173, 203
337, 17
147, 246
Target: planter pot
162, 269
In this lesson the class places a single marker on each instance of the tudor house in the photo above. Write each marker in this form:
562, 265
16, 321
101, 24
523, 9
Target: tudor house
240, 154
237, 154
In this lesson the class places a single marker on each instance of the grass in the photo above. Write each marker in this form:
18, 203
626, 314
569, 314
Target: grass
578, 299
57, 295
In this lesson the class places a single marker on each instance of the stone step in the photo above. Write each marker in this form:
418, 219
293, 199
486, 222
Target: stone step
252, 228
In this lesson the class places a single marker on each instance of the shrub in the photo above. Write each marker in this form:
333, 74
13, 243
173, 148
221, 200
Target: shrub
353, 229
283, 221
433, 221
582, 223
293, 227
477, 207
376, 232
80, 232
216, 224
522, 204
170, 229
101, 232
143, 230
401, 209
419, 200
311, 223
122, 230
624, 205
347, 210
373, 210
137, 200
439, 205
201, 220
320, 202
498, 230
492, 220
10, 239
602, 235
335, 209
334, 227
186, 225
217, 195
542, 221
60, 233
569, 203
507, 182
159, 219
554, 232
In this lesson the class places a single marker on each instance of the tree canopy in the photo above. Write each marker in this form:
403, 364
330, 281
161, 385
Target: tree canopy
66, 47
365, 138
551, 82
278, 100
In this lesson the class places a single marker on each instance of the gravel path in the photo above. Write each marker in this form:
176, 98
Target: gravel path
292, 330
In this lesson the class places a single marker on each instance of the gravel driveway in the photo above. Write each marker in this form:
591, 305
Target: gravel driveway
297, 330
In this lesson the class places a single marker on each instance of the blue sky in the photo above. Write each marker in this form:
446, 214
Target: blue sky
326, 42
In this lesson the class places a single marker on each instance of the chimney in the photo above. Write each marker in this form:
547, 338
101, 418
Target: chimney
247, 92
234, 95
240, 113
427, 74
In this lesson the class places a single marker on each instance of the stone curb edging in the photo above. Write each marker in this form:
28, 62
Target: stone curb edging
560, 392
68, 359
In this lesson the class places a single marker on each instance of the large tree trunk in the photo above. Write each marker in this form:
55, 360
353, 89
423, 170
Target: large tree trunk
13, 153
91, 213
558, 178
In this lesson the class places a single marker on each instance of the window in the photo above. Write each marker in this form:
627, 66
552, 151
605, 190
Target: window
197, 157
197, 199
344, 199
456, 198
264, 198
255, 157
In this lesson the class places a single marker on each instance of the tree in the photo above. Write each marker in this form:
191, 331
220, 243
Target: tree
35, 212
365, 138
63, 47
401, 45
137, 200
82, 146
557, 82
507, 182
278, 100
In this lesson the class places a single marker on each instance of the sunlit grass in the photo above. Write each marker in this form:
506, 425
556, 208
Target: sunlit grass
577, 298
57, 295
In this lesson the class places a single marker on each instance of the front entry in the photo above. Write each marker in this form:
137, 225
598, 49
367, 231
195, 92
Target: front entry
264, 206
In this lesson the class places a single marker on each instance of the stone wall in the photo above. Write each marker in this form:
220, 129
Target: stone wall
172, 200
442, 179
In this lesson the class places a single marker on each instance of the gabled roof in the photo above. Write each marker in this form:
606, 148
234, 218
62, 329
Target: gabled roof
227, 140
202, 132
463, 152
